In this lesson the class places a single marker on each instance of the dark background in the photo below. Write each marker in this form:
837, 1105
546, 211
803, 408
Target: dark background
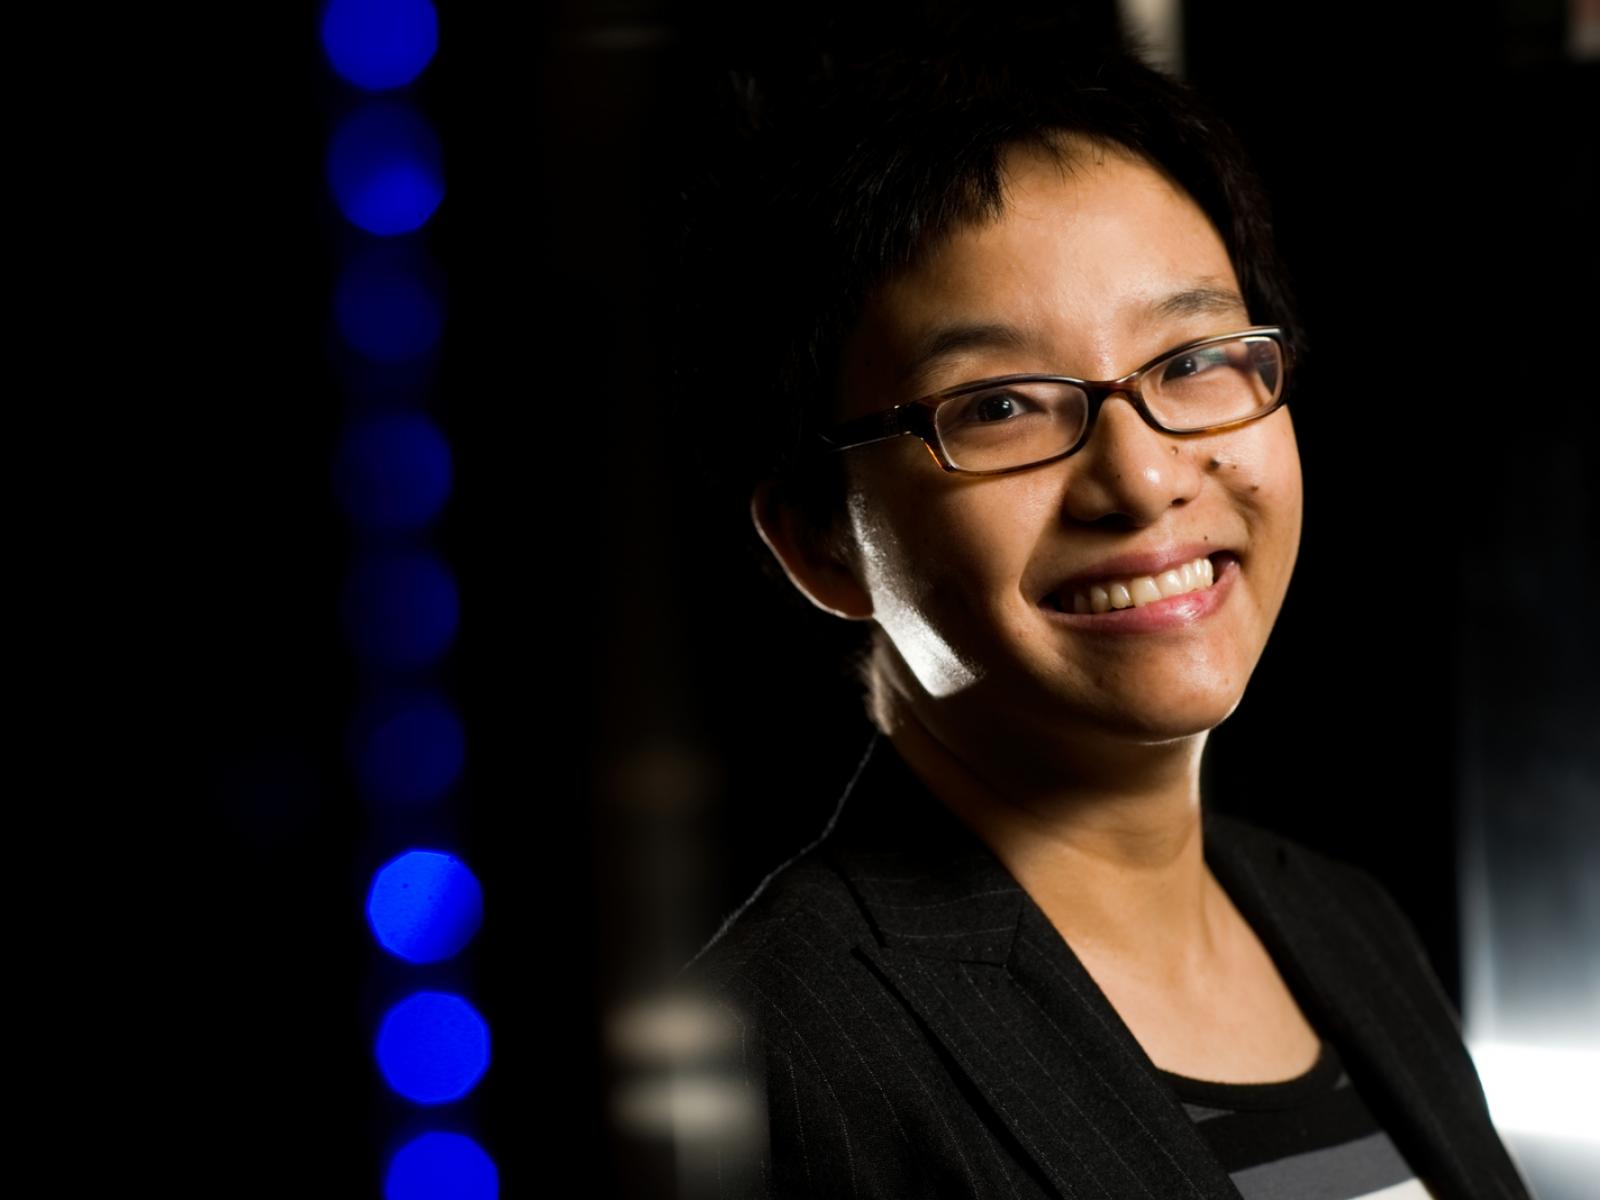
651, 728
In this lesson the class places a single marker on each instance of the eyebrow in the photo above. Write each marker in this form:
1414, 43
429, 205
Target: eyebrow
1199, 299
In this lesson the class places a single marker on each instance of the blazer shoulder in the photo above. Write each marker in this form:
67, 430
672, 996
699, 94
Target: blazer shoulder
802, 911
841, 1090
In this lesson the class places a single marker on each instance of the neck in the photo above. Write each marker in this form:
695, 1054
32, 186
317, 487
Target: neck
1103, 833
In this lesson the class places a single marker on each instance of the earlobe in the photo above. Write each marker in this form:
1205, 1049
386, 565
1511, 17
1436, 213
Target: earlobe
819, 571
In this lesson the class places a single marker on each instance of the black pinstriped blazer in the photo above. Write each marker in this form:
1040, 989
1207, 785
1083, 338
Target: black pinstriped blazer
917, 1027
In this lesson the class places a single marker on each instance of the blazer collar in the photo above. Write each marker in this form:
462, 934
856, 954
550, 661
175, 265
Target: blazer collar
974, 956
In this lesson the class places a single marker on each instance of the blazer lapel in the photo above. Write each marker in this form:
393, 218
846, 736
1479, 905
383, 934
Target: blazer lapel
1396, 1034
968, 950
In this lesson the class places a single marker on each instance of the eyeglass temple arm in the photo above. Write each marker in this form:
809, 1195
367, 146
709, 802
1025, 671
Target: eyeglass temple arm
873, 428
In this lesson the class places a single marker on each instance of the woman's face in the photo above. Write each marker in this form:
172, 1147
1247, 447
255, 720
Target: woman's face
958, 568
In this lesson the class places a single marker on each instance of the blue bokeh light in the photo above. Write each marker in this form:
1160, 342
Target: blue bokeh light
377, 44
407, 748
392, 471
441, 1166
388, 303
433, 1047
385, 168
424, 906
400, 609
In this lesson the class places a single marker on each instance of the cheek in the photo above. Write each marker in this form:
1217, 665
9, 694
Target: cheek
890, 547
1263, 475
997, 527
1272, 490
1281, 481
946, 549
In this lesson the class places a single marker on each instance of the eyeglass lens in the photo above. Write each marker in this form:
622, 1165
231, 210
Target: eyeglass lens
1015, 424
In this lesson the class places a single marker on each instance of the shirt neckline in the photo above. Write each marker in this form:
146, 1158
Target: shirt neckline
1317, 1079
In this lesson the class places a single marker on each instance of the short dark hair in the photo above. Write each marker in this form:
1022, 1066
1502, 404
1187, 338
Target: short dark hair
847, 164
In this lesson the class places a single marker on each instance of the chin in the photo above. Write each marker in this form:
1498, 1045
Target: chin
1166, 724
1156, 733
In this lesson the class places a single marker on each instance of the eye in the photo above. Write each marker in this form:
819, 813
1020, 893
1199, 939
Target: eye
1195, 362
992, 408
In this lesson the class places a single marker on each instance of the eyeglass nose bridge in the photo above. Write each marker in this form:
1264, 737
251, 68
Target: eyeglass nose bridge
1100, 394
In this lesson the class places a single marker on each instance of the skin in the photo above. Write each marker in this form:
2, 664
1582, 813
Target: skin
1075, 755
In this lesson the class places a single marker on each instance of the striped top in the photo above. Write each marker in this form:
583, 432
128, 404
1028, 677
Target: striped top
1307, 1138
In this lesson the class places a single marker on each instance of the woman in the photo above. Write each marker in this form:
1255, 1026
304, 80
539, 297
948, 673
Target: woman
1025, 959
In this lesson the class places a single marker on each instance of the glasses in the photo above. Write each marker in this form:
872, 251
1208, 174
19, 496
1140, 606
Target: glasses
1009, 422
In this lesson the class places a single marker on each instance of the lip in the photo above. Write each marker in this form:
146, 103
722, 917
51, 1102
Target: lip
1173, 612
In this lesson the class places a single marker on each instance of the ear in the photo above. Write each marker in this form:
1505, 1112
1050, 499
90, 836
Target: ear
821, 572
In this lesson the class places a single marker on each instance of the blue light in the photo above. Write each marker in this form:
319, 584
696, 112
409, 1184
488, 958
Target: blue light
392, 472
385, 168
377, 44
407, 748
424, 906
441, 1166
385, 305
400, 609
432, 1047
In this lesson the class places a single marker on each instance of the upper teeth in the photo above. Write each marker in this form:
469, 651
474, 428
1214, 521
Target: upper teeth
1144, 589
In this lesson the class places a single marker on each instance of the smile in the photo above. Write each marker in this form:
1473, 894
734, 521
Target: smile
1146, 603
1138, 590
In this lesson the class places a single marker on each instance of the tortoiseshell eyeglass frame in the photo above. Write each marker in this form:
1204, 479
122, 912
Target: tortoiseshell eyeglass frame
916, 417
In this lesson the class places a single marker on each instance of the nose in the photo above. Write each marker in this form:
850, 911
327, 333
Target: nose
1126, 468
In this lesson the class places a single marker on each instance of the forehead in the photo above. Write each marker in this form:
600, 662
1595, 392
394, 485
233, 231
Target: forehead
1088, 270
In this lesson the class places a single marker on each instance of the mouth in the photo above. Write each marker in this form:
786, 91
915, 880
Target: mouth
1144, 602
